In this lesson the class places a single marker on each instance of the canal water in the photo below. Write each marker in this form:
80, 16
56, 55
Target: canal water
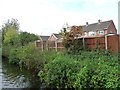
13, 77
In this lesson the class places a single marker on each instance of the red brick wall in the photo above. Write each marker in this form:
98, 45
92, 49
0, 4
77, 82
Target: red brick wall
52, 38
111, 28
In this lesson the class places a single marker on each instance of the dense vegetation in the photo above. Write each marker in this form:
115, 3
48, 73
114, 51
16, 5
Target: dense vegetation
13, 38
85, 70
70, 39
0, 42
19, 46
76, 68
30, 57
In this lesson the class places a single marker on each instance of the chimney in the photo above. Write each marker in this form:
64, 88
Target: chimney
99, 21
86, 23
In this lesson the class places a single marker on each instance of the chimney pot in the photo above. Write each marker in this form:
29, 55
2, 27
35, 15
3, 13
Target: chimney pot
86, 23
99, 21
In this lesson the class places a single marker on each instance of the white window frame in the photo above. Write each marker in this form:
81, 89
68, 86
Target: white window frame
92, 33
85, 33
101, 32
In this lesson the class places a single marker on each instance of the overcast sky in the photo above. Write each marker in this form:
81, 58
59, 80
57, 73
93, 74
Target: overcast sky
44, 17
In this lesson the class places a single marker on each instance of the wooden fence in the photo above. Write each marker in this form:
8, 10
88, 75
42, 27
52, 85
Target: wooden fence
108, 42
50, 45
58, 46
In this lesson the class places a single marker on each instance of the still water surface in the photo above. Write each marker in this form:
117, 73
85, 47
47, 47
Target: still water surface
14, 77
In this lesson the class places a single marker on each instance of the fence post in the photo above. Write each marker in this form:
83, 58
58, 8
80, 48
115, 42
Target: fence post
47, 45
83, 42
106, 43
56, 45
35, 43
42, 45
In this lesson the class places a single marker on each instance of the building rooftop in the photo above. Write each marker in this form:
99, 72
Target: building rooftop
44, 38
96, 26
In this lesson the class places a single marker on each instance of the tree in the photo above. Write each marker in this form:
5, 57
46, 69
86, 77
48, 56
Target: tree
10, 32
26, 37
70, 39
10, 36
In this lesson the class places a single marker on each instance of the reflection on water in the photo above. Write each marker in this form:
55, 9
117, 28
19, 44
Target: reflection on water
13, 77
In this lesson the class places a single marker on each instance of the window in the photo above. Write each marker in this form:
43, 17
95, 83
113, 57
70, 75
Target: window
91, 33
101, 32
111, 32
85, 33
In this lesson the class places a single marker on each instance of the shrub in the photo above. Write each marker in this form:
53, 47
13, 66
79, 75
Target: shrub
61, 72
85, 70
6, 50
13, 56
98, 75
105, 76
49, 55
28, 56
31, 57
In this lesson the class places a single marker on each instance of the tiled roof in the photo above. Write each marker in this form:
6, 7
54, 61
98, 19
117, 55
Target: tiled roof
57, 35
97, 26
44, 38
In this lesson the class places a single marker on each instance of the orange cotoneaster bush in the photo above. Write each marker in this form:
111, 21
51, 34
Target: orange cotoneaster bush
70, 38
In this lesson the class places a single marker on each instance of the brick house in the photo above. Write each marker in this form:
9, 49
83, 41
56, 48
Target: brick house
55, 42
99, 29
42, 43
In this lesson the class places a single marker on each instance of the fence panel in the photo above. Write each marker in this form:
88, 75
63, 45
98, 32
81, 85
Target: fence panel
90, 43
51, 44
113, 43
101, 42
